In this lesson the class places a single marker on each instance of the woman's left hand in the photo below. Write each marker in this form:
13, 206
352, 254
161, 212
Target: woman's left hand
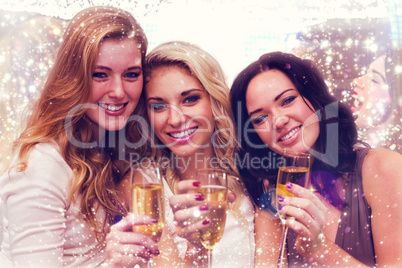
125, 248
309, 214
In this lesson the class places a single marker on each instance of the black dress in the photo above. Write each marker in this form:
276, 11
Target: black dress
354, 233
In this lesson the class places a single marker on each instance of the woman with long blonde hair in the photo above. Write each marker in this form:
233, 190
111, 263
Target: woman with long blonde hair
188, 108
59, 196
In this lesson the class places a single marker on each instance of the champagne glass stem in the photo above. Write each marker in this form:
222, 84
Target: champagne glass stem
209, 258
282, 246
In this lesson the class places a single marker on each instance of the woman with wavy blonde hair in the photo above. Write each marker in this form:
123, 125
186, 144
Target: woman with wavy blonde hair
188, 108
61, 188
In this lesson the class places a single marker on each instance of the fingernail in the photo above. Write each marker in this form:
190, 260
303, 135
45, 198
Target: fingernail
281, 199
154, 221
157, 252
205, 222
196, 184
279, 207
289, 185
199, 197
204, 207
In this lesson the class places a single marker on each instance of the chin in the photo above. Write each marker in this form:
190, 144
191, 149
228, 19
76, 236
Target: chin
183, 152
115, 126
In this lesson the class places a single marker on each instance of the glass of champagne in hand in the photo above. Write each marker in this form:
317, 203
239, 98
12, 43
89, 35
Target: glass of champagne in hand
147, 198
213, 185
295, 168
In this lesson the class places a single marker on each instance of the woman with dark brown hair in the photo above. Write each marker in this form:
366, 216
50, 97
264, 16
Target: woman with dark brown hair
352, 216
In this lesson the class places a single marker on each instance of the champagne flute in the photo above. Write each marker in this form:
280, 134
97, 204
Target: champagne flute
147, 198
213, 185
295, 168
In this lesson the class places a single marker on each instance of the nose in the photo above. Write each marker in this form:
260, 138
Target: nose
280, 121
359, 83
117, 89
176, 116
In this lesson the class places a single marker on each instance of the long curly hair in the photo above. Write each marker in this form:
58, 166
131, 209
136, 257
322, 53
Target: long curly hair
96, 170
337, 155
208, 72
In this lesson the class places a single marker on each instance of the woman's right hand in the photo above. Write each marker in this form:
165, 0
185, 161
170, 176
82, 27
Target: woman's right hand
126, 248
188, 206
309, 214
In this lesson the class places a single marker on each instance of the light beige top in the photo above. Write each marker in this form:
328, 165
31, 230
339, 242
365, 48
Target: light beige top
40, 229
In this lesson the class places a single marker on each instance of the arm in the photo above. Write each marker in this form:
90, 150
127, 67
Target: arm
382, 183
310, 214
267, 239
35, 205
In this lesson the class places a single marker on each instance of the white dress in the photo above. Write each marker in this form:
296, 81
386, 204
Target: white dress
237, 245
40, 229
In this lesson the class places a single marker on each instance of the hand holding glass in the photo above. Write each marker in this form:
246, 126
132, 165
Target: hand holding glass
295, 168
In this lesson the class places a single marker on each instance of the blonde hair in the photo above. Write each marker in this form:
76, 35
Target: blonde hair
95, 174
207, 70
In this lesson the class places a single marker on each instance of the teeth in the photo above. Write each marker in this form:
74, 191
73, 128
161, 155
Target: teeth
290, 134
112, 108
185, 133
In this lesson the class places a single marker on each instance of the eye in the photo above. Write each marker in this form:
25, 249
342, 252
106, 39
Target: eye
375, 81
288, 100
99, 75
132, 75
191, 99
157, 106
258, 119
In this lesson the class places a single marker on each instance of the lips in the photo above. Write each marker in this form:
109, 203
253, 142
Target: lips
182, 134
290, 134
357, 102
112, 107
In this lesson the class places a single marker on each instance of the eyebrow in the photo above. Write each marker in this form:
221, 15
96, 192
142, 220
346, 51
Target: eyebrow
128, 69
183, 94
380, 74
186, 92
276, 99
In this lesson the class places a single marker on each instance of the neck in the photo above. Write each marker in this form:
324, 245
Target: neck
188, 165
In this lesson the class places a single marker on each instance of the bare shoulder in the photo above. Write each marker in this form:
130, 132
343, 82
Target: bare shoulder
382, 175
382, 160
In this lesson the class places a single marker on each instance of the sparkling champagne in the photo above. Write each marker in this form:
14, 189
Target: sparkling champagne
296, 175
215, 197
148, 200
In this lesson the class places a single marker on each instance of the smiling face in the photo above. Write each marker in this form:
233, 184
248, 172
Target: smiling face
116, 83
279, 114
179, 110
372, 94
